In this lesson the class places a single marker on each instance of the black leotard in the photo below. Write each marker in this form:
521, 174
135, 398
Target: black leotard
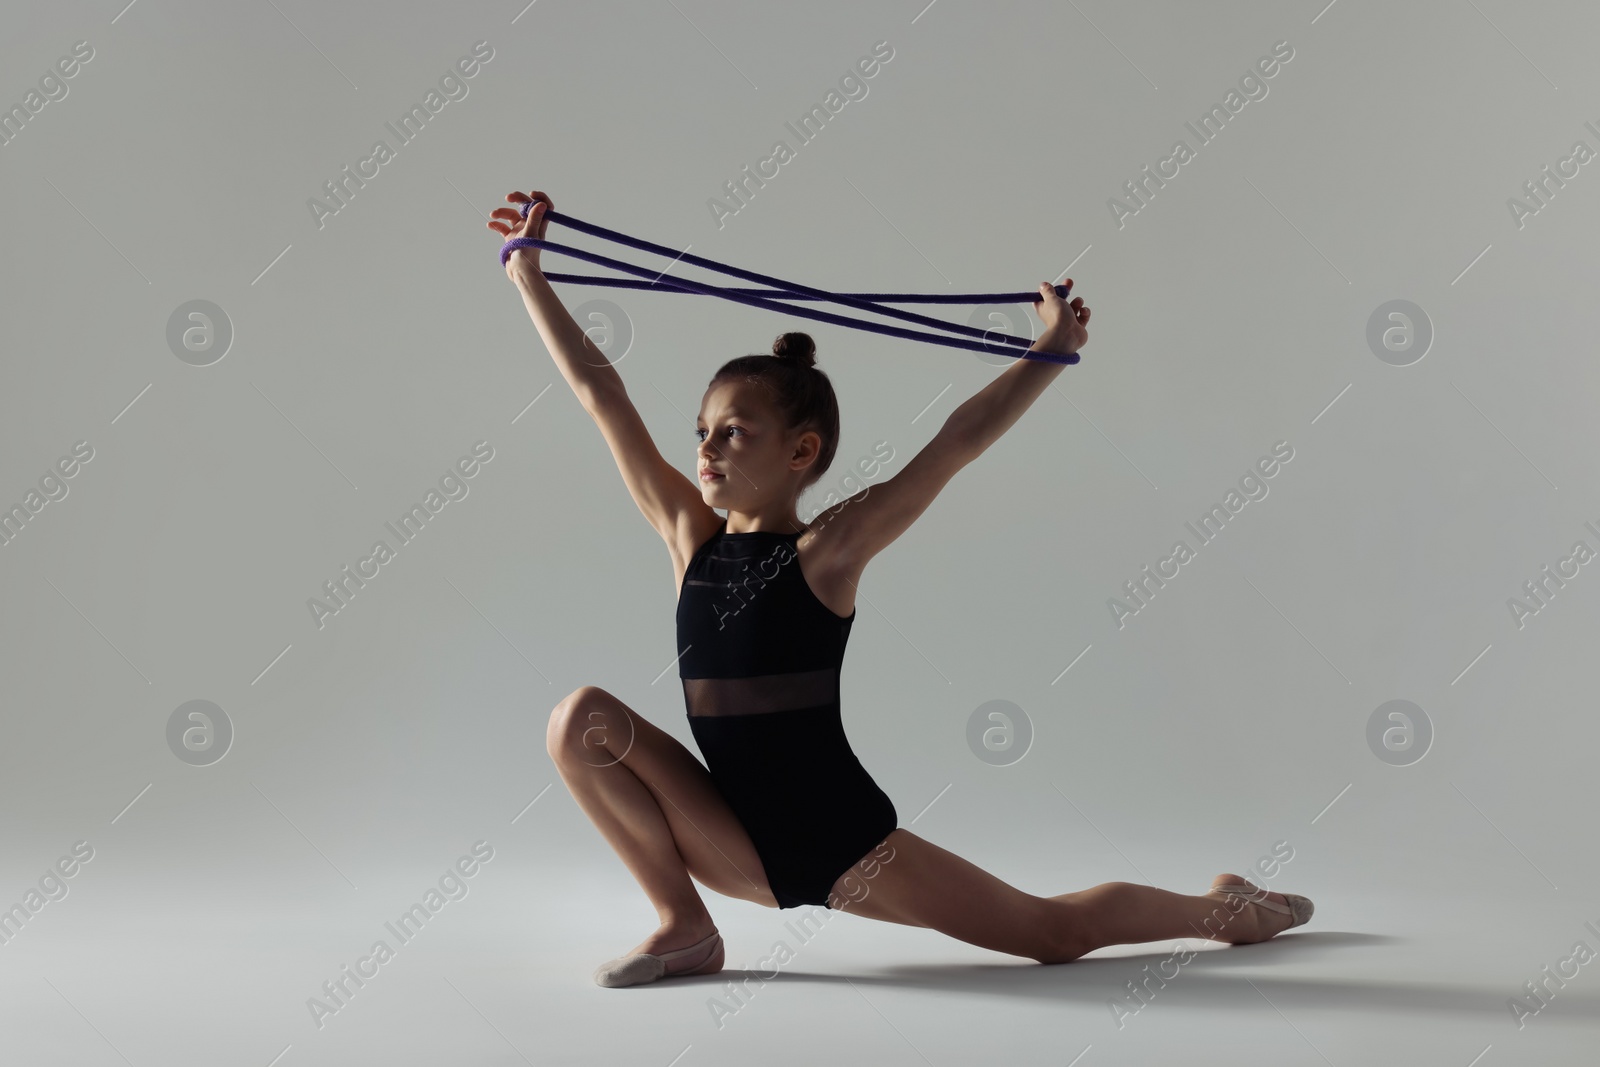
759, 659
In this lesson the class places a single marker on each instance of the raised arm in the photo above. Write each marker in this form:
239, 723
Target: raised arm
665, 496
584, 367
867, 523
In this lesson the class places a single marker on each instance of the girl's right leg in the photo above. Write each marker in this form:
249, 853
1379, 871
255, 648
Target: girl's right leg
656, 804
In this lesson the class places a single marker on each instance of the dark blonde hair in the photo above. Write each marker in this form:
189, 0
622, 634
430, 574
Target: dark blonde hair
800, 391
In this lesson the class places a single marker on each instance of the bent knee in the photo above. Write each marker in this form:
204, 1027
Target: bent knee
580, 721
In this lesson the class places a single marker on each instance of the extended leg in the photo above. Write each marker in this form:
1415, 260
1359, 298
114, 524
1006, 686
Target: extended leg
925, 885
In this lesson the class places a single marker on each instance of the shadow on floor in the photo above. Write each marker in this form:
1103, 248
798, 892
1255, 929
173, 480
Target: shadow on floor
1208, 981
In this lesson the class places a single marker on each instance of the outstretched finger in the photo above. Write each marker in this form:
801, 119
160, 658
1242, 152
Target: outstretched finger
503, 219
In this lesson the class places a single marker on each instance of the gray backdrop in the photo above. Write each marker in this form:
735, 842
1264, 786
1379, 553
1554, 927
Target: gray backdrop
1378, 262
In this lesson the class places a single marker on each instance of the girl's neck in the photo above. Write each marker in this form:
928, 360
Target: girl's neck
739, 522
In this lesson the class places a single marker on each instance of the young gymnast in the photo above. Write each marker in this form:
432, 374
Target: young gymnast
782, 813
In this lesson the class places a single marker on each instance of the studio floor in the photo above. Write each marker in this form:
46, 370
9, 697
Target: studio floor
502, 976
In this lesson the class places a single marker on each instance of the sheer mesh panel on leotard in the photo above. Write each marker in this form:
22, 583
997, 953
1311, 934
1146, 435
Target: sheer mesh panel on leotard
760, 694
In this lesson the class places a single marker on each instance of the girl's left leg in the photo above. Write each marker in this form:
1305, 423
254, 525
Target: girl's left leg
922, 884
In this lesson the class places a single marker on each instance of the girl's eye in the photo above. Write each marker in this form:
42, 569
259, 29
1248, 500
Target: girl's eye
699, 434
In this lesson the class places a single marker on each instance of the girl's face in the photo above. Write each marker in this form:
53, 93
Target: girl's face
746, 459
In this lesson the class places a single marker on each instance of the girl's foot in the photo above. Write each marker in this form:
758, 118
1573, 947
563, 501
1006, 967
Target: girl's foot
671, 936
674, 949
1245, 924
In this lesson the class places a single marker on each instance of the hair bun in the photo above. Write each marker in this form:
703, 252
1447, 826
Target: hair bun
798, 347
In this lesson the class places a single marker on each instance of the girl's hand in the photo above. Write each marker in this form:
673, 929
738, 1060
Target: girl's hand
1064, 324
517, 226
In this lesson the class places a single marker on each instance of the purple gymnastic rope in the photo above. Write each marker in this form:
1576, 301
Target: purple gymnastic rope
997, 342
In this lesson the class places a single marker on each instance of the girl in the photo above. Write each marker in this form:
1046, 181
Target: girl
782, 813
